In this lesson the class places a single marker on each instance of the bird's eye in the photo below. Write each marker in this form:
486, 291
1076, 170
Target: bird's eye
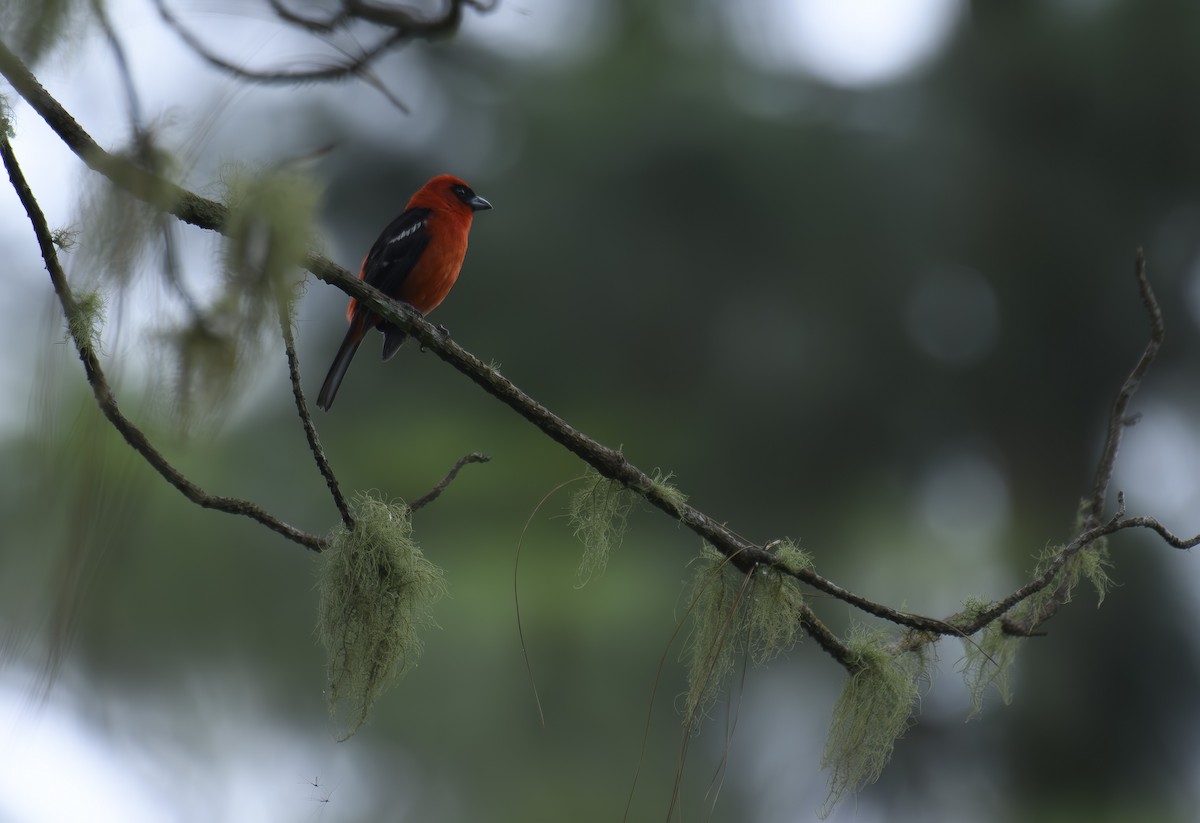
462, 191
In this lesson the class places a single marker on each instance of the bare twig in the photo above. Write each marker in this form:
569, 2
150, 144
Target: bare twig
1151, 523
436, 491
114, 42
409, 24
359, 66
310, 431
103, 392
1162, 531
1092, 529
340, 71
400, 25
332, 23
1118, 421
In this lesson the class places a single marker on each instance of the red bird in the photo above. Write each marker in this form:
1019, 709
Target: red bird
415, 260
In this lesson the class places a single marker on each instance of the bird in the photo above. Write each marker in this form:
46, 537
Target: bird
416, 260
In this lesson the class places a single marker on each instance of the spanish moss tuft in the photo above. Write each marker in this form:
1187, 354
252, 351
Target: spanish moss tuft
597, 511
666, 491
871, 714
377, 591
268, 233
86, 319
987, 663
732, 613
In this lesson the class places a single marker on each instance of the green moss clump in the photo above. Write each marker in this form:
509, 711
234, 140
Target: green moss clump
771, 615
597, 512
269, 227
793, 558
710, 654
85, 320
65, 239
1091, 562
377, 590
988, 660
732, 613
36, 29
666, 491
6, 117
205, 359
987, 663
871, 714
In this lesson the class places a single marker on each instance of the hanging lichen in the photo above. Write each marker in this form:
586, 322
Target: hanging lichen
871, 714
376, 592
733, 613
597, 512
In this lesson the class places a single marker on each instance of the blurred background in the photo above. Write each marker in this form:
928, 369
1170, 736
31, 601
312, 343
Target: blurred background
859, 273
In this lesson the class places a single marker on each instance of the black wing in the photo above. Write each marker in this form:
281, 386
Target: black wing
390, 261
397, 251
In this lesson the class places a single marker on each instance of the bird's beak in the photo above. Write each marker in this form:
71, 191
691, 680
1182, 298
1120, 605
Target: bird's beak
477, 203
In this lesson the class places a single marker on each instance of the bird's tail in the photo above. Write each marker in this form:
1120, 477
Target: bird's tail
353, 339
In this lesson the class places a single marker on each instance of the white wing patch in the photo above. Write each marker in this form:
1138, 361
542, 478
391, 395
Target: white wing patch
409, 232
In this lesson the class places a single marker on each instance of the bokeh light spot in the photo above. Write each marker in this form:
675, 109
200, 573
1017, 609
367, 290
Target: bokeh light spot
952, 316
964, 499
845, 42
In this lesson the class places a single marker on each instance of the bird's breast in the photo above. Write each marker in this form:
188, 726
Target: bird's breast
435, 273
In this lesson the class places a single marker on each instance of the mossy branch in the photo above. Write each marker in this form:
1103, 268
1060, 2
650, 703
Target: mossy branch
310, 430
610, 463
207, 214
82, 322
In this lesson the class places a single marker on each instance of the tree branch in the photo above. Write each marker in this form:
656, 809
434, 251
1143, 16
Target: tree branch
332, 23
1117, 423
310, 431
401, 26
436, 491
1117, 420
207, 214
103, 392
742, 553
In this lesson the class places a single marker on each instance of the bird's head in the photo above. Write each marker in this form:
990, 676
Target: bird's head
448, 190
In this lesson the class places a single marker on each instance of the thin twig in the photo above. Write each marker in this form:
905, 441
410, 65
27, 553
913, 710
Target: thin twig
1118, 421
335, 21
118, 50
436, 491
275, 76
410, 25
103, 392
310, 431
1162, 531
401, 26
